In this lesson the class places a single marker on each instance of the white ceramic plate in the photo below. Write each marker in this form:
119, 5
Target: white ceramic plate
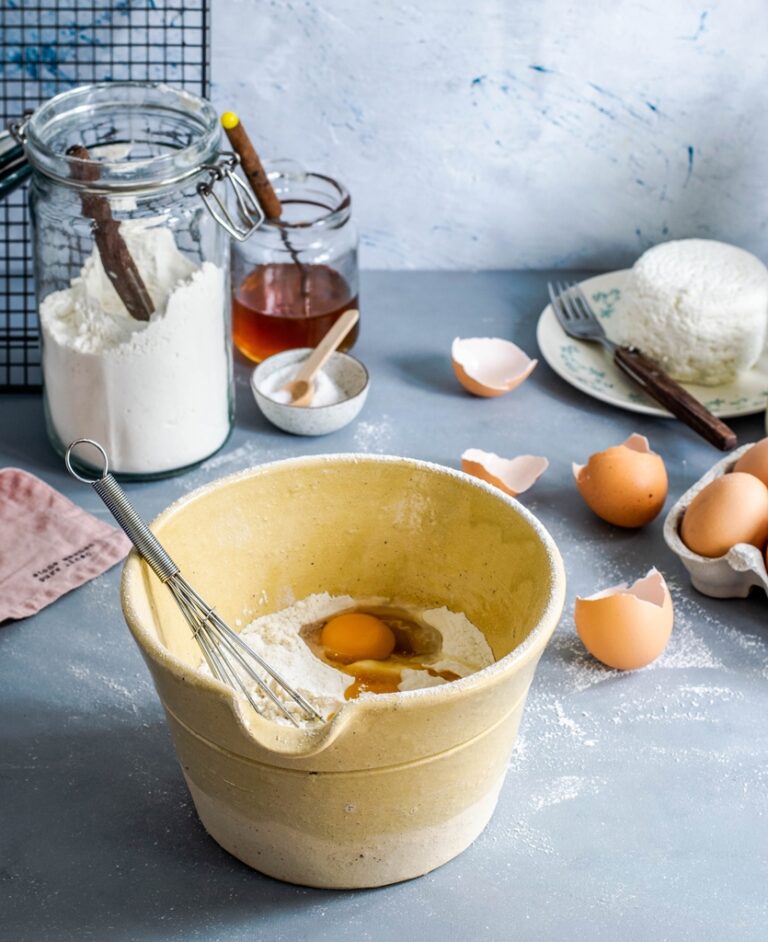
589, 368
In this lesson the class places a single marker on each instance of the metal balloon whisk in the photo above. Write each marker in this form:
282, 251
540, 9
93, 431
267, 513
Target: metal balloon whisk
228, 656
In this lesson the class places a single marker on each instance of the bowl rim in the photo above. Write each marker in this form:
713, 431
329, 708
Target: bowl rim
529, 649
288, 406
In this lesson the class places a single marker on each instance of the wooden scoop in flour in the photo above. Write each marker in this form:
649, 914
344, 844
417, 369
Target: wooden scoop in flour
302, 387
119, 265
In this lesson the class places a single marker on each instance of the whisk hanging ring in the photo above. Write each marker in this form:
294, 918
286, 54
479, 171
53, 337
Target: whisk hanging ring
71, 469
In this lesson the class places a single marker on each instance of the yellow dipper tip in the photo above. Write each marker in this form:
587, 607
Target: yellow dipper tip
229, 120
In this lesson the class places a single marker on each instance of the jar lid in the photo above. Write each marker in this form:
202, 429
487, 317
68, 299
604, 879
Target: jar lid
145, 135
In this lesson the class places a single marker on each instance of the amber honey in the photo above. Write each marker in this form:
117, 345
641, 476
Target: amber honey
281, 306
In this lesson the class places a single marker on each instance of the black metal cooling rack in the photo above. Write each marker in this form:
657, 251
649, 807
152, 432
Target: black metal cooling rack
46, 48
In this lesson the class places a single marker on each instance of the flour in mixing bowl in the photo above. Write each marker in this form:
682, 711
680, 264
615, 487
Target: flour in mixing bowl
279, 638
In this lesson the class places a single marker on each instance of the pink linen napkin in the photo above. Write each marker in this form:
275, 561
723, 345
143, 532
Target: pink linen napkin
48, 545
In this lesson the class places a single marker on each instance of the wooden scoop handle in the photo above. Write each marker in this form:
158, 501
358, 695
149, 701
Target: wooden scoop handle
117, 260
661, 387
319, 356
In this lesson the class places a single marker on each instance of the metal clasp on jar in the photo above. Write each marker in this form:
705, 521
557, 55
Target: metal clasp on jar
250, 213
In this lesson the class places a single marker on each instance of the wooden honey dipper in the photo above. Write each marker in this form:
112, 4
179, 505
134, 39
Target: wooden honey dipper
252, 165
116, 258
262, 188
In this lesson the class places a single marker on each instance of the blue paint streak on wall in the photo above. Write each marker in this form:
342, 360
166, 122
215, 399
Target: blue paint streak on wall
700, 29
690, 163
541, 68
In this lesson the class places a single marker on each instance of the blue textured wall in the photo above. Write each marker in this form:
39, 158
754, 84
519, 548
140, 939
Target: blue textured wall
513, 134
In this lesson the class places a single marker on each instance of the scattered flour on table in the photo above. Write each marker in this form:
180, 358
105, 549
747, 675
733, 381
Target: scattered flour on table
565, 788
229, 461
373, 437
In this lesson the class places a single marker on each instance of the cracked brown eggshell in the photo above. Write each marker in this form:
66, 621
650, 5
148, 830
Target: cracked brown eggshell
625, 485
627, 627
490, 366
511, 475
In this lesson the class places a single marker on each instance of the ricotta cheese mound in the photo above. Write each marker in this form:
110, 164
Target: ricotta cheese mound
698, 307
276, 637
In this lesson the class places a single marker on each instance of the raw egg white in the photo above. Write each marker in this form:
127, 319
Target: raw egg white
490, 366
625, 485
627, 627
511, 475
729, 510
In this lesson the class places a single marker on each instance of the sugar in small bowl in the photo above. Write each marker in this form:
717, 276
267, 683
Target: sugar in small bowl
341, 389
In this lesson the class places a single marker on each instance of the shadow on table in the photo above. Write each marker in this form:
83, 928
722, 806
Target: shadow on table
100, 840
428, 371
23, 436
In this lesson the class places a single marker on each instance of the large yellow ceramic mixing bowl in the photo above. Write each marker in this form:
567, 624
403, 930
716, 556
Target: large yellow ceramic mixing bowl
394, 785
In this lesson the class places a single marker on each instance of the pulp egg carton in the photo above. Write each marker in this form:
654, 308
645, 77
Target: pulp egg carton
729, 576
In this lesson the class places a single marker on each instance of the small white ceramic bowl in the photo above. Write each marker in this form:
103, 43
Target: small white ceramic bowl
347, 372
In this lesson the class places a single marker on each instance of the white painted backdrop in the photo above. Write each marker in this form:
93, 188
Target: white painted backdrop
509, 134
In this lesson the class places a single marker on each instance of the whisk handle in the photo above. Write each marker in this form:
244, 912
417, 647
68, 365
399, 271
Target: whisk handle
122, 510
136, 530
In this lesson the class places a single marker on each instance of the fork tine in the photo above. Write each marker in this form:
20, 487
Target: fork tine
569, 289
582, 301
562, 294
556, 302
567, 302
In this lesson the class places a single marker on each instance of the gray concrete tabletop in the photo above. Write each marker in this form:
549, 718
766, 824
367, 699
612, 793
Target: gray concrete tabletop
635, 806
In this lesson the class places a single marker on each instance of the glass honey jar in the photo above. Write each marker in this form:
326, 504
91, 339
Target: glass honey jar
295, 276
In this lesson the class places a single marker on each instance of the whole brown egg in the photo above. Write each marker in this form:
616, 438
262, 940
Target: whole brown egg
729, 510
625, 485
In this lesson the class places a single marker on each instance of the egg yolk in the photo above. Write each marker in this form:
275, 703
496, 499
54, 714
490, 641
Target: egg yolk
358, 637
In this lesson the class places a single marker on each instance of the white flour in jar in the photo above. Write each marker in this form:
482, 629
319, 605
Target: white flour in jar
155, 394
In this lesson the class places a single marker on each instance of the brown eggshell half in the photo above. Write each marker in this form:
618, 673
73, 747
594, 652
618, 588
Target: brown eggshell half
627, 627
511, 475
625, 485
490, 366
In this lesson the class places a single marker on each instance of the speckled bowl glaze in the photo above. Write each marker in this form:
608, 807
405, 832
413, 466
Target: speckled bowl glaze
394, 785
347, 372
730, 576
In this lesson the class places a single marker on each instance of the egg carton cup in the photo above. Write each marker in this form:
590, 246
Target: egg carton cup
726, 577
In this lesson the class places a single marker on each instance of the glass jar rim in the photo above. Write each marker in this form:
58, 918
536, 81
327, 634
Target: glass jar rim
334, 215
125, 175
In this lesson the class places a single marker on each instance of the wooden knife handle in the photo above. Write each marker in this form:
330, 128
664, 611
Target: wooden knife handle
661, 387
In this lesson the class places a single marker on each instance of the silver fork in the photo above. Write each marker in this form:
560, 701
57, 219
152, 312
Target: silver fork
578, 320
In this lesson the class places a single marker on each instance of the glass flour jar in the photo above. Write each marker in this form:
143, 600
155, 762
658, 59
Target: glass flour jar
132, 273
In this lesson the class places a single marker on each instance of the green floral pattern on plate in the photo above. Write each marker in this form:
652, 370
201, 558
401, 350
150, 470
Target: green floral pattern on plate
586, 366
